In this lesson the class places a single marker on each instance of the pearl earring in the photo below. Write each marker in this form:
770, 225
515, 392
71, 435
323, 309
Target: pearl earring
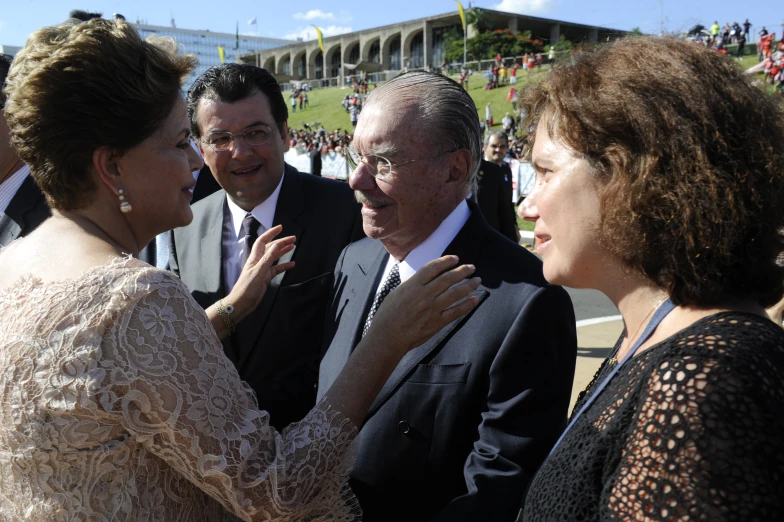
125, 207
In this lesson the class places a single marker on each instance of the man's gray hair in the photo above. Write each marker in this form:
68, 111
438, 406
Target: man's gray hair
501, 135
445, 109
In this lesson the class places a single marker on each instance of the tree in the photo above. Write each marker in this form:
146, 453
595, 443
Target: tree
635, 32
490, 43
563, 45
478, 18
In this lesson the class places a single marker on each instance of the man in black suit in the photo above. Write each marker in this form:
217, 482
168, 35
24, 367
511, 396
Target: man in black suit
22, 204
238, 118
315, 161
496, 146
465, 420
494, 199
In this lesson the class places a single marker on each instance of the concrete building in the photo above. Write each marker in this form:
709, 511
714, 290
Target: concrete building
414, 44
9, 49
204, 44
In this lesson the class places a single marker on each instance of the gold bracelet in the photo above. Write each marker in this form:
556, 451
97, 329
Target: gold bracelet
224, 312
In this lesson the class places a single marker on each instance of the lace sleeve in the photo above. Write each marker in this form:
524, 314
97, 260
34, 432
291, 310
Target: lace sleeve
703, 445
173, 389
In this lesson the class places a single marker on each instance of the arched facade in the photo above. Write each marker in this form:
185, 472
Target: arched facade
414, 49
374, 55
331, 58
390, 52
351, 53
284, 65
298, 66
414, 44
316, 64
370, 46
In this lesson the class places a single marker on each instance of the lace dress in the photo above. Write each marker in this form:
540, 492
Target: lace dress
691, 429
117, 404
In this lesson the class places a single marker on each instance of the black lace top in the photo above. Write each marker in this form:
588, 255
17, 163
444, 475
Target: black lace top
691, 429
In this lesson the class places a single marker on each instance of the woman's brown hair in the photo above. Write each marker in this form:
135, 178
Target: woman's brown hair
690, 156
78, 86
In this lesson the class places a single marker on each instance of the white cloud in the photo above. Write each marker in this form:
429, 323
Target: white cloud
524, 6
309, 33
314, 14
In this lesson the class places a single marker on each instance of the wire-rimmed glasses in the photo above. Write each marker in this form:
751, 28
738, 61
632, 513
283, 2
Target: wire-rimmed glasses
378, 166
221, 141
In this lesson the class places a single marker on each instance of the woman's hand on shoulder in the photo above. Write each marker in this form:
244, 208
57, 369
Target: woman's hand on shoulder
420, 307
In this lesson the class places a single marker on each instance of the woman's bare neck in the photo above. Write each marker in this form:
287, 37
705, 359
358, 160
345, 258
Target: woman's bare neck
59, 249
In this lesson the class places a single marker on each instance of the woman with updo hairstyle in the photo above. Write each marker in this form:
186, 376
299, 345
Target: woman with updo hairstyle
660, 182
116, 399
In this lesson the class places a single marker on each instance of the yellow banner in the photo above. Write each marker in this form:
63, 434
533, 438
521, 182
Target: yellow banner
462, 14
222, 54
320, 38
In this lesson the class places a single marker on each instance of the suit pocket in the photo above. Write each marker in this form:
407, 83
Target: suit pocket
297, 318
440, 374
305, 302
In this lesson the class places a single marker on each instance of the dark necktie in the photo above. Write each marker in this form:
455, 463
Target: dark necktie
390, 283
250, 228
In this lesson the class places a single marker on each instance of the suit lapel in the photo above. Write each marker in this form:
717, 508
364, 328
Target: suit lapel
368, 277
288, 211
351, 303
410, 361
9, 229
208, 263
466, 246
15, 220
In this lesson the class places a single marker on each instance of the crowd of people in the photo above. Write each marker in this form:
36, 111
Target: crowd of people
500, 75
191, 329
718, 37
317, 143
299, 97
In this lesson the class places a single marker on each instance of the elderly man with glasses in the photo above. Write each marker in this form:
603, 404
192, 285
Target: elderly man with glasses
465, 420
239, 121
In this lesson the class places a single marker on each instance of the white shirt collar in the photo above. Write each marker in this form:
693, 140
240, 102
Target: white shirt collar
264, 212
10, 186
433, 247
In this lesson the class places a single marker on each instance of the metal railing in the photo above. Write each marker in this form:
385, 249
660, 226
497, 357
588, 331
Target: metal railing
339, 81
380, 77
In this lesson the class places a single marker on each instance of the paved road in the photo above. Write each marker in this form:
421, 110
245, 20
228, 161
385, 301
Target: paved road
590, 304
594, 341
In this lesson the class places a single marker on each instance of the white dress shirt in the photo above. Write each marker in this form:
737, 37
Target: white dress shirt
431, 248
10, 186
232, 241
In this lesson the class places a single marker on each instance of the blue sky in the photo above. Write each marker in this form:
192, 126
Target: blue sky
281, 19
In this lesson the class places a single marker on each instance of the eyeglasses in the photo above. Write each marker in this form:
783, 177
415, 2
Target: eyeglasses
221, 142
378, 166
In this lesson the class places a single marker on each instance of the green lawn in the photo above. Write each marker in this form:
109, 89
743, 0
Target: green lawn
325, 103
525, 225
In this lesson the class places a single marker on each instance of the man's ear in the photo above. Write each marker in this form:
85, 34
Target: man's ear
106, 168
458, 170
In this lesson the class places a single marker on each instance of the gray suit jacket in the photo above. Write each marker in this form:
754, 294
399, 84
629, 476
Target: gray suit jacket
465, 420
277, 348
27, 210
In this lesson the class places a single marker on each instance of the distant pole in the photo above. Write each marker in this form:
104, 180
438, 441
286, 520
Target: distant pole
465, 38
661, 18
